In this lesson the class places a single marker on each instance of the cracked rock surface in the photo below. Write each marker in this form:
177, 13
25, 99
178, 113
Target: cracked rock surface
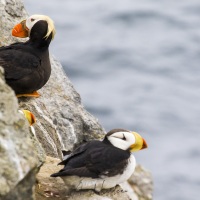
19, 159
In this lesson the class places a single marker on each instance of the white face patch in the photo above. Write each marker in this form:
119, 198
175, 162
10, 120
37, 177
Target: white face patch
122, 140
32, 20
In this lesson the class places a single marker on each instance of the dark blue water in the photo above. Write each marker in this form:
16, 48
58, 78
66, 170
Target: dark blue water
136, 65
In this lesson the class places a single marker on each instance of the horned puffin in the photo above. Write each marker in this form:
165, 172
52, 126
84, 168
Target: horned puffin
26, 64
101, 165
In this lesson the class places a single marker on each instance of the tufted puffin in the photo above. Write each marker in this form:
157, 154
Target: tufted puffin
101, 165
26, 64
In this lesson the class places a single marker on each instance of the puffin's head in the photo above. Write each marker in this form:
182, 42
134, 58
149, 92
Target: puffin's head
39, 25
29, 116
126, 140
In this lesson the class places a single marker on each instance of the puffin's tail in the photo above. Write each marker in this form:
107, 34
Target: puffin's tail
55, 175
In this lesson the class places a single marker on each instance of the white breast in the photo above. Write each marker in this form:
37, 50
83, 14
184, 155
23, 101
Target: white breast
104, 182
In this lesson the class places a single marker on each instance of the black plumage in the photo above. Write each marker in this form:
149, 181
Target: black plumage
27, 65
94, 159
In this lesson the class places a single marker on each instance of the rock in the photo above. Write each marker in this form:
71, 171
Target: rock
19, 159
12, 12
142, 183
51, 188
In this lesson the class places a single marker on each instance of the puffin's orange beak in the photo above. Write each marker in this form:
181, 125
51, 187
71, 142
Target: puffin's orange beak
20, 30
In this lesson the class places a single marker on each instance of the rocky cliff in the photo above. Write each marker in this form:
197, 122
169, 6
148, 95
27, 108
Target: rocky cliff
62, 123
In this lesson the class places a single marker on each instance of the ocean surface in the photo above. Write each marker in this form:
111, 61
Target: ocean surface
136, 65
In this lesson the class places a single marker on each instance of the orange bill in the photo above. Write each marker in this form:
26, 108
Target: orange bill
20, 30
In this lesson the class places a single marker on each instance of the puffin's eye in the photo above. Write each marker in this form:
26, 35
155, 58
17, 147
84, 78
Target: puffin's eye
124, 138
32, 20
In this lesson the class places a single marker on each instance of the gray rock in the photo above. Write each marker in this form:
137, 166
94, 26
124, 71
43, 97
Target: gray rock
12, 12
19, 159
142, 183
12, 7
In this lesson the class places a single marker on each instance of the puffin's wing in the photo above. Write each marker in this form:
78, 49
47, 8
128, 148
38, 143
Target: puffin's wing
108, 161
97, 159
17, 63
75, 162
76, 152
81, 171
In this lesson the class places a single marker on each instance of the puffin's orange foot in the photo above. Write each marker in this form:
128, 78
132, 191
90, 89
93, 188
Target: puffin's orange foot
34, 94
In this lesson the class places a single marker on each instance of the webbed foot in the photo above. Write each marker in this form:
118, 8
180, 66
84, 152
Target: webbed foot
33, 94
